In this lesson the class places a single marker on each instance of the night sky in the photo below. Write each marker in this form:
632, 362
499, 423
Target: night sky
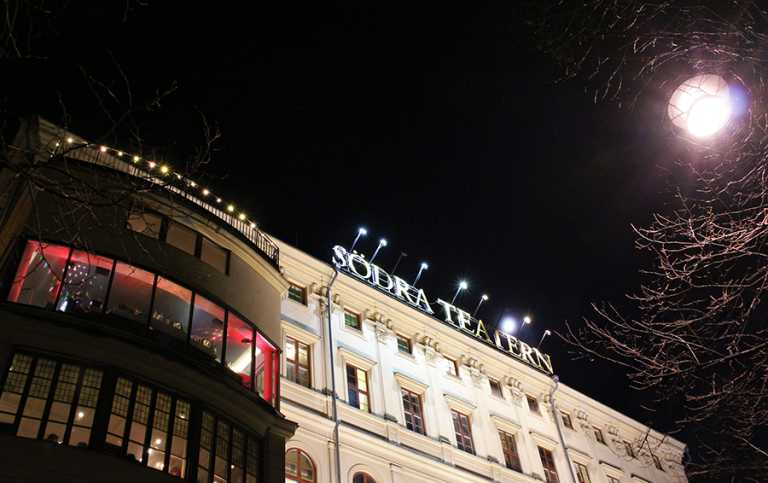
439, 127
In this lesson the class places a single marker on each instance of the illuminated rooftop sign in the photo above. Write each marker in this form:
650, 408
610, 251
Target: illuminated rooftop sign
358, 267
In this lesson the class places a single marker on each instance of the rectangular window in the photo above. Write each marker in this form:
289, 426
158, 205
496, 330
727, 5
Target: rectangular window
182, 238
296, 294
548, 463
611, 479
351, 320
495, 387
463, 432
581, 473
85, 284
452, 367
297, 361
598, 435
227, 452
214, 255
51, 400
657, 463
357, 387
39, 276
533, 404
240, 344
148, 224
131, 293
566, 420
628, 449
403, 344
171, 310
267, 369
207, 328
414, 419
509, 448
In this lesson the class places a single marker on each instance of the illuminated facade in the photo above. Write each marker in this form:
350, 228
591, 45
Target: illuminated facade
141, 326
427, 394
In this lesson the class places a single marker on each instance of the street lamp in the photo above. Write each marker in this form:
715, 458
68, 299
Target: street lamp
482, 299
382, 243
526, 320
546, 333
462, 286
361, 231
424, 266
701, 105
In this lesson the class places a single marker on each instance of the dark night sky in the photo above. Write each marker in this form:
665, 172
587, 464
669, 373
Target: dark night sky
439, 127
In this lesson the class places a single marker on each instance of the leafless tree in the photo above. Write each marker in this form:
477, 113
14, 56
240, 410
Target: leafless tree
696, 334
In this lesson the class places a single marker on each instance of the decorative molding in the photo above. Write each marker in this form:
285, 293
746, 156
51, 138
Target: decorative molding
431, 356
381, 333
543, 441
299, 334
612, 471
583, 419
458, 405
578, 456
477, 378
504, 425
410, 384
356, 359
637, 479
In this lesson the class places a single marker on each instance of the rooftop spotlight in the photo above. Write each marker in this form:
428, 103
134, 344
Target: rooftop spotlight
361, 231
424, 266
482, 299
701, 105
526, 320
382, 243
546, 333
462, 286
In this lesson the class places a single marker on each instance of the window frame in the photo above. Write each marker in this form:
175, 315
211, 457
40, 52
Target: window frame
298, 365
566, 418
452, 364
461, 444
299, 478
629, 450
365, 476
408, 344
548, 464
657, 462
358, 323
217, 420
301, 289
420, 416
582, 474
533, 404
611, 479
512, 454
356, 389
598, 435
499, 391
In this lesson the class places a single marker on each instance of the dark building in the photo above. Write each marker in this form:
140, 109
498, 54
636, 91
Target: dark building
140, 323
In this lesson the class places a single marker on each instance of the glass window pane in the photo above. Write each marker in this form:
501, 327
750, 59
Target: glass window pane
182, 237
85, 283
267, 366
171, 310
39, 274
131, 293
207, 328
239, 343
214, 255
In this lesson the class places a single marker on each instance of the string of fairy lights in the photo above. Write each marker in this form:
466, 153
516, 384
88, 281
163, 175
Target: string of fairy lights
165, 171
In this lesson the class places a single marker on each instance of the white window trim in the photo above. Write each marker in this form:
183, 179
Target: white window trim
458, 405
579, 457
611, 470
356, 332
412, 385
303, 336
349, 357
507, 426
637, 479
543, 441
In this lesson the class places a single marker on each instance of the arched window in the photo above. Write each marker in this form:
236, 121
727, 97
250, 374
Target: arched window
362, 478
299, 467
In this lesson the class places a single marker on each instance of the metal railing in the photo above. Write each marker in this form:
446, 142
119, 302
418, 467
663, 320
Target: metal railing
93, 154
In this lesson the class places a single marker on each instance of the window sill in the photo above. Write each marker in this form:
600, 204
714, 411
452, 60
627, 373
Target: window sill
499, 398
406, 356
454, 377
355, 332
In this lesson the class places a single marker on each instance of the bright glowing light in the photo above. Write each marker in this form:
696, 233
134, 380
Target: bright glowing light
701, 105
424, 266
80, 415
69, 140
151, 164
463, 285
119, 153
218, 200
230, 208
383, 242
548, 332
242, 216
135, 158
508, 325
158, 441
527, 320
253, 225
192, 183
164, 169
485, 297
205, 192
103, 149
363, 231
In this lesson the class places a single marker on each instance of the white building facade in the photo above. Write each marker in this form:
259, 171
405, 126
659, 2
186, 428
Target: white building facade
423, 398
